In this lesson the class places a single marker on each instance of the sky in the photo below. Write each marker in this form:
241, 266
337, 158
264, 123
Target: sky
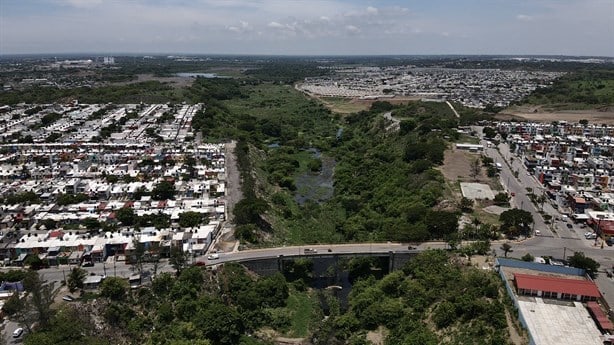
308, 27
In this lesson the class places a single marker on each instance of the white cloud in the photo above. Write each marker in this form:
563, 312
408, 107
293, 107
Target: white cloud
80, 3
524, 17
275, 25
372, 10
351, 29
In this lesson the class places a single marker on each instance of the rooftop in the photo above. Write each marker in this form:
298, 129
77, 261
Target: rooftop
553, 322
553, 284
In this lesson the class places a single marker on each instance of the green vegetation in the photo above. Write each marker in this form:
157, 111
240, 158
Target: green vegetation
302, 310
148, 92
579, 260
432, 301
578, 90
435, 299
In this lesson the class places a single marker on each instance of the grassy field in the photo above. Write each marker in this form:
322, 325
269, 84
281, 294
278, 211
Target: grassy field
267, 100
301, 306
343, 105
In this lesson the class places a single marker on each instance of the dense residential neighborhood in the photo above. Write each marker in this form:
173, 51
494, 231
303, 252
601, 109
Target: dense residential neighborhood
573, 161
87, 196
470, 87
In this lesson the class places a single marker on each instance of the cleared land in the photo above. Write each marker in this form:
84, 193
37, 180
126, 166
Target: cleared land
544, 114
348, 105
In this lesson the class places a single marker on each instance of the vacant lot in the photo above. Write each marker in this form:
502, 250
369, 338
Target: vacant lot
345, 105
541, 114
456, 167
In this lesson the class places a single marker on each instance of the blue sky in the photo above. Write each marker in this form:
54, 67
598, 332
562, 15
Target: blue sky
315, 27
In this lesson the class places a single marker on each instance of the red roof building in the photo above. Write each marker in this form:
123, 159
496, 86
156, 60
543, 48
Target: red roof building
599, 316
559, 288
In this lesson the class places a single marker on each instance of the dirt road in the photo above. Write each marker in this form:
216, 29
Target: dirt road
233, 180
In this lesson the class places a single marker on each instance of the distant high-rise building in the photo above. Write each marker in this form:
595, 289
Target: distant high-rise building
108, 60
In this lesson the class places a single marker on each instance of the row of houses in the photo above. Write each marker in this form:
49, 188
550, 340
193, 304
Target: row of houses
574, 163
61, 199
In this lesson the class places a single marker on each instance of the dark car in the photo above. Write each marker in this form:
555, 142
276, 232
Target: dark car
569, 226
87, 264
609, 241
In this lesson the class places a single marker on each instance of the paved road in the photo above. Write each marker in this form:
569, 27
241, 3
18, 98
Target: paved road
518, 187
561, 238
319, 249
8, 328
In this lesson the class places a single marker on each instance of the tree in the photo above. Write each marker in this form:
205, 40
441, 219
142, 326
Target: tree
220, 323
506, 248
516, 218
475, 170
489, 132
16, 308
491, 171
163, 190
76, 277
190, 219
528, 257
584, 122
579, 260
441, 223
501, 198
178, 259
248, 210
35, 306
114, 288
247, 233
126, 216
466, 205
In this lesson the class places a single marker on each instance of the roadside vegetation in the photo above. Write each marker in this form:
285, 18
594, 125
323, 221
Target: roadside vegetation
435, 299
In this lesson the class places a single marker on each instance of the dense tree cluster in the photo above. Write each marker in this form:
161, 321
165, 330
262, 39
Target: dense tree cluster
432, 301
591, 87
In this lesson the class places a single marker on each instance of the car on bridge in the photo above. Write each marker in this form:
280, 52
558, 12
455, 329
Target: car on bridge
310, 251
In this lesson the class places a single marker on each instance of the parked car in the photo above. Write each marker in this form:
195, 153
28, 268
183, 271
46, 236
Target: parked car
87, 264
569, 226
213, 257
18, 332
68, 298
610, 241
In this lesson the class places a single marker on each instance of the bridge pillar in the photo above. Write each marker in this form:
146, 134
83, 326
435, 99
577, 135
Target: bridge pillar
390, 261
280, 263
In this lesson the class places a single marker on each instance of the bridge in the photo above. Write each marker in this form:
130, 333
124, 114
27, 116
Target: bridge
272, 260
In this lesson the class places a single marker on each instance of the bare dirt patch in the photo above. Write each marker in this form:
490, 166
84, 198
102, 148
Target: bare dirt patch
457, 167
378, 336
541, 114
